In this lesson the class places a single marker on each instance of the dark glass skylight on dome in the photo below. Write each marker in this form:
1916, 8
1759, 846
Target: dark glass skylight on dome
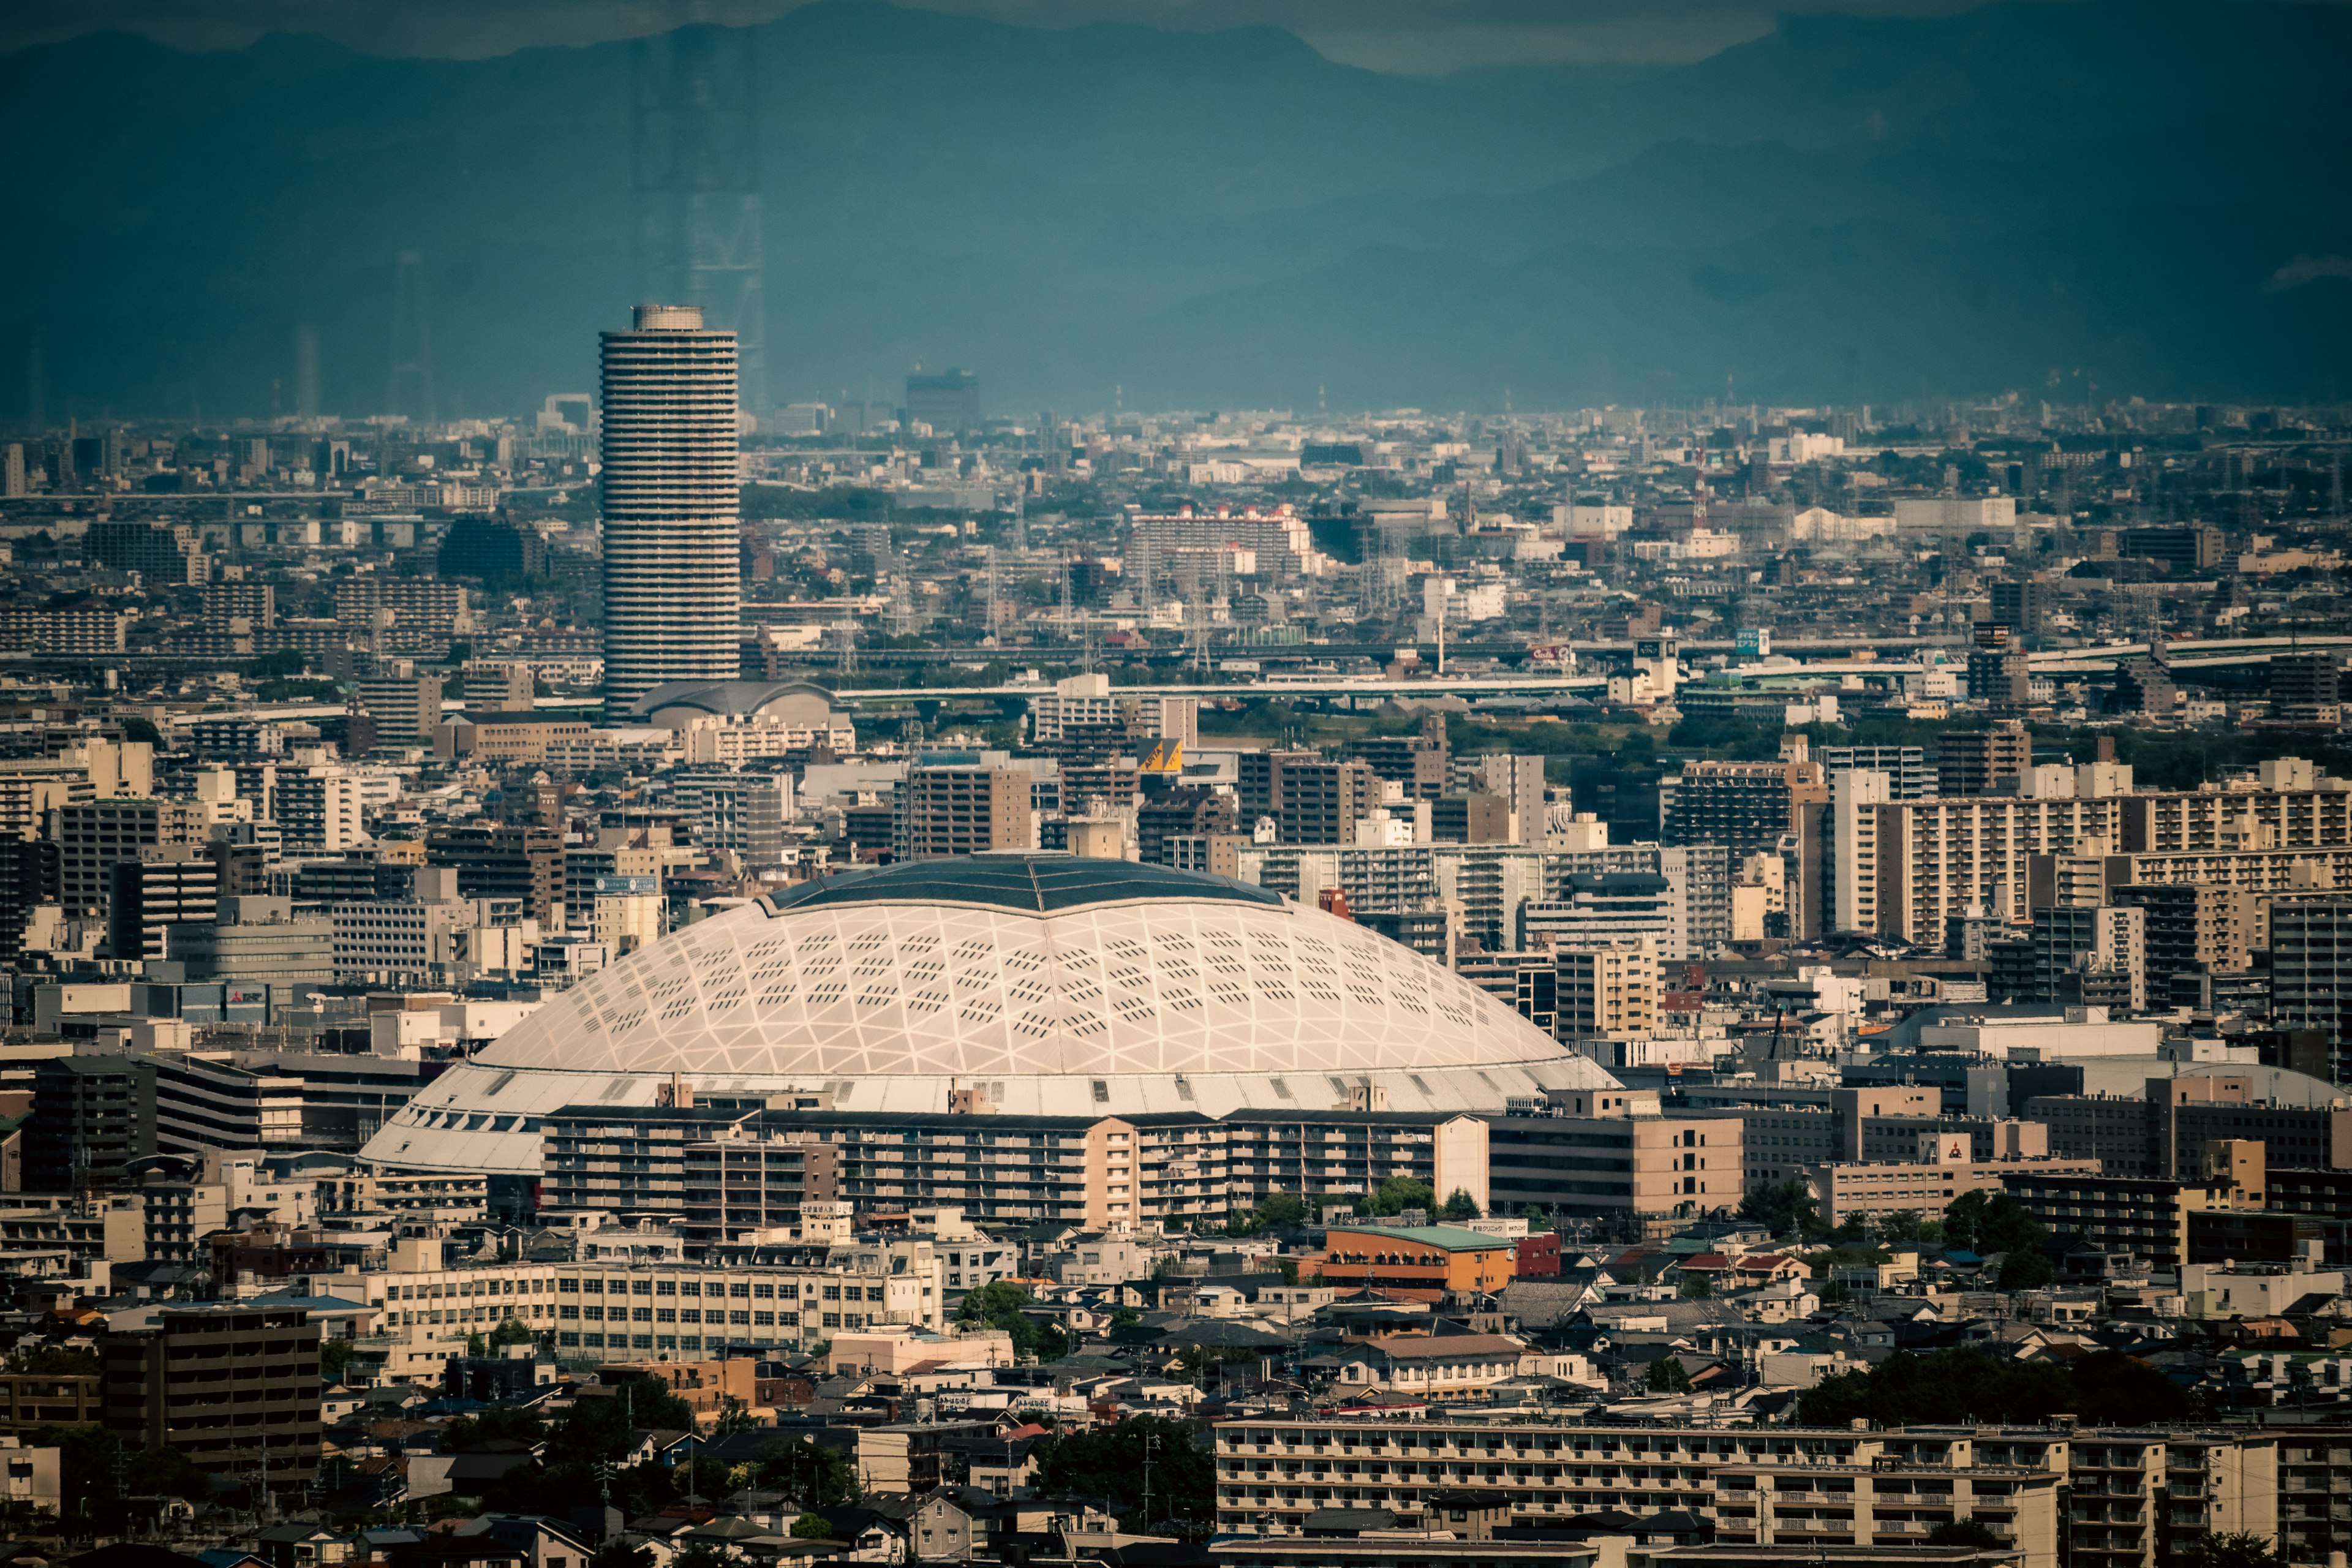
1040, 884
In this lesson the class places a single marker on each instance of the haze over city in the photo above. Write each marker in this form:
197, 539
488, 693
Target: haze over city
1198, 784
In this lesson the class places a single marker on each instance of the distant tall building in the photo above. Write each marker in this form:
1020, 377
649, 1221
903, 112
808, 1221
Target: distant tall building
948, 403
672, 498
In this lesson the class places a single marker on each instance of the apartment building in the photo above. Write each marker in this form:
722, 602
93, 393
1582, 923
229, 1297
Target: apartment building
1639, 1171
2052, 1496
1931, 860
2128, 1216
2314, 1474
2288, 804
744, 1300
234, 1388
2191, 928
945, 808
692, 1164
95, 836
1977, 761
2311, 970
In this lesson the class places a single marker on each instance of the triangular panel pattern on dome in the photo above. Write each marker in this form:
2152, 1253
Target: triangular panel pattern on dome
1158, 987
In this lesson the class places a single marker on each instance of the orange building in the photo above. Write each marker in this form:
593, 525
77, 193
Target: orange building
1418, 1263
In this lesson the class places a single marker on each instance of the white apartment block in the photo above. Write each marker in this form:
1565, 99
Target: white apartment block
671, 1310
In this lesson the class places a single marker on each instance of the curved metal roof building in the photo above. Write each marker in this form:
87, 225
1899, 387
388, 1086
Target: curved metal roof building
1060, 987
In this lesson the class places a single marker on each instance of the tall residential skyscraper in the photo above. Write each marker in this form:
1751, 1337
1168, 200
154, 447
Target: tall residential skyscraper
672, 583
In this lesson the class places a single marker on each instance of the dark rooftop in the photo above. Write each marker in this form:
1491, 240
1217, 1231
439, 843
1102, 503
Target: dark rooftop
1029, 884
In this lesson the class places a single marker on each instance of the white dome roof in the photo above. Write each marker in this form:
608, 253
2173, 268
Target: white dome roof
1064, 986
897, 984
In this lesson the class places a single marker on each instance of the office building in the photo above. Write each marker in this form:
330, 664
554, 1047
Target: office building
949, 401
2185, 551
671, 504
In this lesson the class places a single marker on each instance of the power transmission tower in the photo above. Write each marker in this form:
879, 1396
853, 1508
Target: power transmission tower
693, 164
412, 343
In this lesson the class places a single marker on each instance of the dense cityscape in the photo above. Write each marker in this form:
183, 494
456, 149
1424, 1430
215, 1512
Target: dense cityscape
682, 978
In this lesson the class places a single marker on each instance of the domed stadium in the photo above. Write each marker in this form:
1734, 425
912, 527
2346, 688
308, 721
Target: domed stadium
1054, 986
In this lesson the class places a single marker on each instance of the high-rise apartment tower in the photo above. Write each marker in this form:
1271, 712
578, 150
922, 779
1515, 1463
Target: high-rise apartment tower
672, 579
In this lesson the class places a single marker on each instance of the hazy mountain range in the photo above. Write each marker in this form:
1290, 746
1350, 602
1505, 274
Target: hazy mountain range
2146, 196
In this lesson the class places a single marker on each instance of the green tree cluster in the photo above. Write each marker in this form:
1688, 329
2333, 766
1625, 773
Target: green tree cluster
499, 1423
89, 1459
1001, 1305
1276, 1211
2105, 1388
1109, 1462
1399, 1194
2000, 1223
1786, 1209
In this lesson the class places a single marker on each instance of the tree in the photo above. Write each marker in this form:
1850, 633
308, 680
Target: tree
499, 1423
1906, 1229
597, 1430
511, 1332
735, 1418
1002, 1305
2105, 1388
1399, 1194
2027, 1269
335, 1358
1985, 1224
1280, 1211
810, 1527
820, 1476
2230, 1549
89, 1459
1108, 1462
704, 1554
1666, 1375
1966, 1531
1784, 1208
622, 1552
1461, 1206
1697, 1287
